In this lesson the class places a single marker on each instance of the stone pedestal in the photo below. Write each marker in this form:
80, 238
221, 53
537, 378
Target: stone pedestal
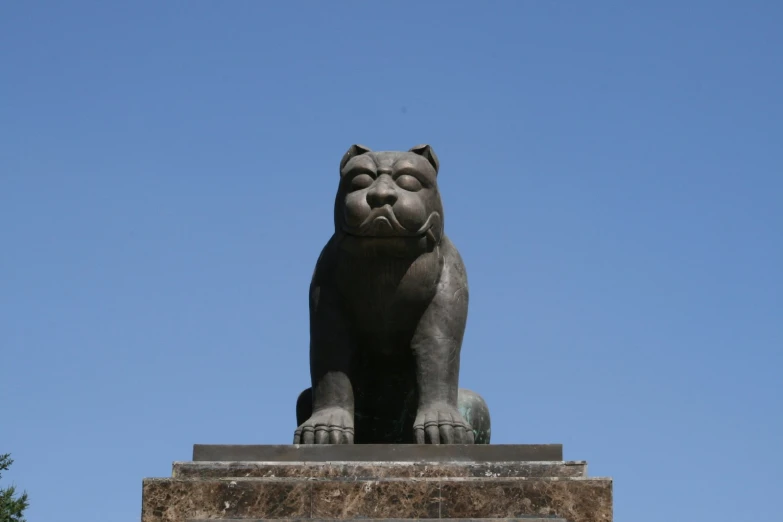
389, 482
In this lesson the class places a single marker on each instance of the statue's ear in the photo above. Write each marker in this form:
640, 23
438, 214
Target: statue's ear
428, 153
354, 150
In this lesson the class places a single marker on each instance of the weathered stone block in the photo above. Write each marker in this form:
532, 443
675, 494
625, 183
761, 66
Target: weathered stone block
386, 498
575, 499
174, 500
418, 488
520, 519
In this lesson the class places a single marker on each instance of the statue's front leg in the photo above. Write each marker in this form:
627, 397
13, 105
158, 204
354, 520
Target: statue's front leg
438, 419
436, 345
331, 350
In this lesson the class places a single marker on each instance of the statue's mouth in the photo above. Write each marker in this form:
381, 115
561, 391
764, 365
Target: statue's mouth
382, 223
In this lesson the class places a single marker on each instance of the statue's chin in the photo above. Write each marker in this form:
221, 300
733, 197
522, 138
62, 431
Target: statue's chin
382, 234
382, 228
384, 245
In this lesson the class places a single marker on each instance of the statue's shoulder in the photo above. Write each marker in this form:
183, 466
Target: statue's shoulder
450, 252
454, 273
324, 267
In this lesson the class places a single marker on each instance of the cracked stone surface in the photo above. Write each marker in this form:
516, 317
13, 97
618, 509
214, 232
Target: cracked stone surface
576, 499
286, 490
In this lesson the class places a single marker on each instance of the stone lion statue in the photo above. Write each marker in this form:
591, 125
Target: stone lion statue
388, 307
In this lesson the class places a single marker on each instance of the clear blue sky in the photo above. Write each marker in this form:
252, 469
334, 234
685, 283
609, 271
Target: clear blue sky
612, 175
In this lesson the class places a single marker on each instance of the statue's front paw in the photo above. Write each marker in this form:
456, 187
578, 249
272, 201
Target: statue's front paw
441, 424
328, 426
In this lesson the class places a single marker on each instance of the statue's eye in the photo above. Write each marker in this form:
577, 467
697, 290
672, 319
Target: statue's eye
361, 181
408, 182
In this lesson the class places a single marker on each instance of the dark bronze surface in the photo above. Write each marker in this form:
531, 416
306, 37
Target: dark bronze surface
380, 453
388, 307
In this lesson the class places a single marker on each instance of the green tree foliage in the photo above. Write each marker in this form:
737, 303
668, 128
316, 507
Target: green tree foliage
10, 508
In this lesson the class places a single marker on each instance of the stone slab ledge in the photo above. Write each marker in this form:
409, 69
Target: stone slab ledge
379, 452
380, 469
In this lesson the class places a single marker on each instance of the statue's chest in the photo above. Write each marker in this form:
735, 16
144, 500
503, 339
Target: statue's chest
385, 295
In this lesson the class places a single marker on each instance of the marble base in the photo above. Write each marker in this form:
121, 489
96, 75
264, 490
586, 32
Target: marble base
351, 489
521, 519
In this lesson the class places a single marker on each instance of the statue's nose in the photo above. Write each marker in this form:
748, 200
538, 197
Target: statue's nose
381, 193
